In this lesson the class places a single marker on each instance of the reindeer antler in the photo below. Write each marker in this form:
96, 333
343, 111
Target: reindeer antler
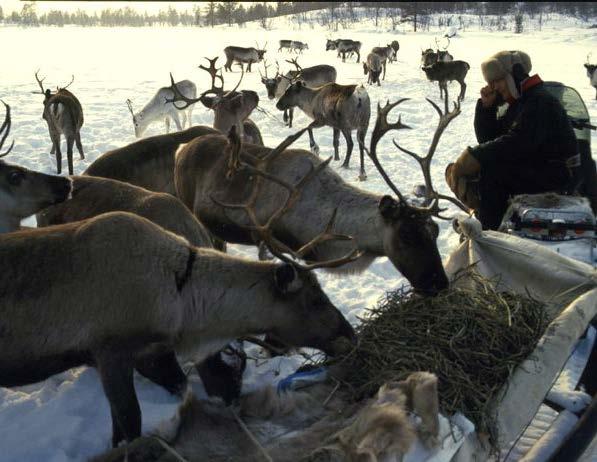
5, 130
425, 161
295, 63
264, 231
129, 104
69, 83
213, 72
265, 66
40, 83
382, 126
179, 97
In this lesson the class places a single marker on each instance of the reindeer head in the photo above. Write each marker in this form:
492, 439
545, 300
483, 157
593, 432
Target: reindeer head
428, 57
331, 45
271, 83
24, 192
138, 120
291, 96
238, 104
309, 318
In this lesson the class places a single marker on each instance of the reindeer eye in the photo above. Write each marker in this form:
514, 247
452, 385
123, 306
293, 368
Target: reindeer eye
15, 177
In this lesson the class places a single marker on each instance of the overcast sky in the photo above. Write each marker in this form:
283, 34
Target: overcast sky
151, 7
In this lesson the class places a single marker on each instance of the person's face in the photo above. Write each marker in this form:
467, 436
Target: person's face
501, 87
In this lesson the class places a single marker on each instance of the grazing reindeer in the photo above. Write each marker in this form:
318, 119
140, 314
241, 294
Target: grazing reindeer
92, 196
444, 72
243, 55
156, 109
314, 76
64, 115
149, 162
385, 54
344, 46
373, 68
379, 225
230, 108
591, 74
299, 46
395, 46
285, 44
342, 107
22, 191
167, 292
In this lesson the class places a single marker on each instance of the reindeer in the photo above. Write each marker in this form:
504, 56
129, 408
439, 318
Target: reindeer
373, 68
22, 191
285, 44
299, 46
148, 163
157, 109
64, 114
444, 72
188, 299
430, 57
230, 108
342, 107
591, 74
344, 46
314, 76
379, 224
243, 55
395, 46
385, 54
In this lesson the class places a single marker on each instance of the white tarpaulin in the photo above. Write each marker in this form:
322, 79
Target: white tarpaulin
568, 287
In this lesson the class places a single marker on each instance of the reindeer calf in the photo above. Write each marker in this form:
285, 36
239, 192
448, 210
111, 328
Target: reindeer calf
444, 72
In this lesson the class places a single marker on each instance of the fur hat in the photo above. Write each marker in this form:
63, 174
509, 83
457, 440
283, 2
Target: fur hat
513, 66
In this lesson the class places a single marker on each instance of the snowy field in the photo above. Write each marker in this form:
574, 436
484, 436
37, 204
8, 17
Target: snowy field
66, 418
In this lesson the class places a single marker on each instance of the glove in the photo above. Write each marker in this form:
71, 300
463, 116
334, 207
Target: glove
460, 177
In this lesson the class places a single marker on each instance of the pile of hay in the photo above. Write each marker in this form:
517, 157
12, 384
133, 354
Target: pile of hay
471, 339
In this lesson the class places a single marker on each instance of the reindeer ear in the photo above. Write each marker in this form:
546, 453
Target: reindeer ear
390, 208
287, 279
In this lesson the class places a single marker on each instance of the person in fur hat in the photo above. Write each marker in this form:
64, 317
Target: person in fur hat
523, 152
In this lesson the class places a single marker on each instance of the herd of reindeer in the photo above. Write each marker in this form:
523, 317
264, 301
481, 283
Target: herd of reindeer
127, 269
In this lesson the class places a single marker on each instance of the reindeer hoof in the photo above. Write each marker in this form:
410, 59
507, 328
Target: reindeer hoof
344, 165
362, 177
315, 149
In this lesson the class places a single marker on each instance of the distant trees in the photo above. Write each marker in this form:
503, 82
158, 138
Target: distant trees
494, 15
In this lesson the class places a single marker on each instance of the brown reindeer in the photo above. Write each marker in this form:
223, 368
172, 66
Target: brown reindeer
64, 114
132, 285
342, 107
372, 68
380, 225
22, 191
149, 162
230, 108
385, 54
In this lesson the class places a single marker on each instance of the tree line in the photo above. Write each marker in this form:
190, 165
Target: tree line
209, 14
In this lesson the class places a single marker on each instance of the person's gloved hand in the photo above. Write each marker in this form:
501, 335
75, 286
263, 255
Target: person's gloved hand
458, 176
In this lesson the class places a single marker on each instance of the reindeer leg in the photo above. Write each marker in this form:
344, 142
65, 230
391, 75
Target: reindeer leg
384, 70
358, 56
336, 143
161, 367
349, 146
56, 144
79, 145
115, 367
312, 143
177, 122
70, 141
290, 117
167, 121
361, 141
462, 91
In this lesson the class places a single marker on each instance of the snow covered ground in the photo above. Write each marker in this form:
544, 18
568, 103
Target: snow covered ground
66, 418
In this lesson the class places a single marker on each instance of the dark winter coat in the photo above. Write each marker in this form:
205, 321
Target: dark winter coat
534, 133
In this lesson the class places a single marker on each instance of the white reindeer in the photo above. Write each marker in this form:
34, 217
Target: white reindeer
158, 109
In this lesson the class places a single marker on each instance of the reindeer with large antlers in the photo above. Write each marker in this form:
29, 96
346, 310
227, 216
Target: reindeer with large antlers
231, 108
157, 109
314, 76
64, 114
379, 225
22, 191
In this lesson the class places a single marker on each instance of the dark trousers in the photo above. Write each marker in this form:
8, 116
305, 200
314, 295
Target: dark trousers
498, 183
